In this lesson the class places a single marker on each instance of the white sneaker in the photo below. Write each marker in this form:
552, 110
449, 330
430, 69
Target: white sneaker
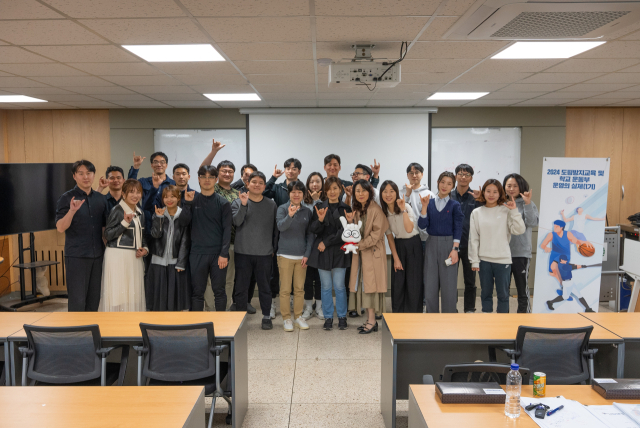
319, 313
308, 312
288, 325
272, 314
302, 324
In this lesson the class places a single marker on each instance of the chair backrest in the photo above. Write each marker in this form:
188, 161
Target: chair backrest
178, 352
558, 352
481, 372
64, 354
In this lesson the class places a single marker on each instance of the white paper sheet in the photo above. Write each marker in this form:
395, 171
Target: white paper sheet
612, 417
573, 414
631, 410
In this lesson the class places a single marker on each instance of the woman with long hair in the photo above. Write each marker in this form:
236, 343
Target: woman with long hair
368, 282
489, 234
314, 195
406, 247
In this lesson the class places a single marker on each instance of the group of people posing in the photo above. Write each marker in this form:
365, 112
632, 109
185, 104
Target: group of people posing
165, 242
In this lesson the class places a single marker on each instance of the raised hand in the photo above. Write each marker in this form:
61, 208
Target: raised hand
102, 184
476, 194
216, 146
128, 218
510, 204
401, 204
75, 205
425, 199
141, 252
314, 195
349, 216
375, 168
137, 160
348, 190
526, 196
409, 189
188, 196
277, 172
293, 209
322, 212
159, 211
244, 198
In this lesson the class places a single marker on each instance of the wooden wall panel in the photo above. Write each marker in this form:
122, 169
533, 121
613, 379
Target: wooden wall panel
67, 135
15, 136
38, 136
630, 164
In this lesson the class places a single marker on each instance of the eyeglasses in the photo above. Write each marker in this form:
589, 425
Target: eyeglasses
357, 174
162, 162
414, 174
226, 171
464, 175
206, 177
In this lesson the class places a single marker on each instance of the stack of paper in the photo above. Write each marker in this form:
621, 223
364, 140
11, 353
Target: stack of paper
575, 414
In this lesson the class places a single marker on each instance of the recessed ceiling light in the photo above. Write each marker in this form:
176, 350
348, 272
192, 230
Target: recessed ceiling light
540, 50
233, 97
175, 53
457, 95
20, 99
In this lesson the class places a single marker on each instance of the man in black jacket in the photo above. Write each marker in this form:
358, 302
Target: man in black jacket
242, 182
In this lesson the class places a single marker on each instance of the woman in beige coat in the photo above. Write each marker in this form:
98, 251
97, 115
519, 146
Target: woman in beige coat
368, 281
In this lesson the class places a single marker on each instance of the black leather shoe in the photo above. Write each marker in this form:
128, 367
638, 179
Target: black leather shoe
378, 317
353, 314
362, 327
374, 327
267, 324
342, 324
328, 324
251, 309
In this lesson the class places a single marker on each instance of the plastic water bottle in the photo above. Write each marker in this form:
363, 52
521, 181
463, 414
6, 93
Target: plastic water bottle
514, 388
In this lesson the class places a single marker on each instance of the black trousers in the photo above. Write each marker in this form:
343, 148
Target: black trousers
84, 283
260, 266
469, 280
252, 288
312, 286
520, 272
203, 266
274, 282
407, 290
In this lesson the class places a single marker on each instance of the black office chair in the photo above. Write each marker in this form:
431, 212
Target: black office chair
69, 356
477, 372
183, 355
2, 375
563, 354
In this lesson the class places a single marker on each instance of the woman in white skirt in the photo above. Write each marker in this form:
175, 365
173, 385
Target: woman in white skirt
123, 271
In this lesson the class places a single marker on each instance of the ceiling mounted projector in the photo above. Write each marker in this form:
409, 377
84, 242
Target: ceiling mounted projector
363, 70
544, 20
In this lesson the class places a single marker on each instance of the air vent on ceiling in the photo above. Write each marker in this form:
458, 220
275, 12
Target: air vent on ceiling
533, 20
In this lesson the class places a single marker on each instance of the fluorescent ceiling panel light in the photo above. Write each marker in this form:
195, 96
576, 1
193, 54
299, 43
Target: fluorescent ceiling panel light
233, 97
543, 50
175, 53
20, 99
457, 95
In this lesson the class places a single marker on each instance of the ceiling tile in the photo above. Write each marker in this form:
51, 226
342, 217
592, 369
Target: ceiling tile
69, 97
457, 66
73, 81
49, 69
424, 78
247, 7
456, 7
283, 79
516, 65
286, 88
147, 31
19, 82
178, 97
342, 103
594, 102
95, 90
406, 87
392, 103
292, 103
41, 92
455, 50
97, 53
275, 67
634, 103
161, 79
474, 76
274, 96
121, 97
15, 55
594, 87
537, 102
324, 87
193, 104
267, 51
162, 89
592, 65
613, 50
242, 104
212, 67
91, 104
26, 9
352, 29
572, 95
561, 77
619, 95
342, 50
375, 7
500, 95
117, 8
50, 106
633, 36
379, 95
441, 103
216, 79
258, 29
471, 87
633, 69
346, 96
222, 89
117, 68
45, 32
2, 73
534, 87
483, 102
618, 78
438, 27
142, 104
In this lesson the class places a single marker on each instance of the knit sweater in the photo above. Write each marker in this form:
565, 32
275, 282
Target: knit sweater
447, 222
256, 232
490, 233
521, 244
295, 235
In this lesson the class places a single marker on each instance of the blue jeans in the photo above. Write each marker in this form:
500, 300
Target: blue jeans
333, 280
501, 275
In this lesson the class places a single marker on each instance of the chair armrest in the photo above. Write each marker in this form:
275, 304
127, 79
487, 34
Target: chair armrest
104, 352
25, 351
217, 350
141, 350
427, 380
512, 353
590, 353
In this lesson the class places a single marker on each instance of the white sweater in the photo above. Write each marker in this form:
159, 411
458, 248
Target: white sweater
490, 233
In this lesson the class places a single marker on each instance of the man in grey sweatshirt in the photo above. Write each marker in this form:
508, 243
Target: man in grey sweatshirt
254, 217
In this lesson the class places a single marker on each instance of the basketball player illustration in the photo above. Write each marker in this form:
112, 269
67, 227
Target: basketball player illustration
561, 241
568, 287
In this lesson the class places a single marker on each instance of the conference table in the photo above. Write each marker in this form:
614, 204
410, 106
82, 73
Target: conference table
124, 328
426, 410
417, 344
627, 326
102, 407
10, 323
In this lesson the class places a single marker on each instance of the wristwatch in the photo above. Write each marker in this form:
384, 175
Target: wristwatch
456, 249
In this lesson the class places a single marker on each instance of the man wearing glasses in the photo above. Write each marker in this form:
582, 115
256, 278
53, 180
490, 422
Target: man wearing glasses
467, 199
363, 172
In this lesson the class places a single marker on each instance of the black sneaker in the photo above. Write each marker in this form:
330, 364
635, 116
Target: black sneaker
267, 324
251, 309
353, 314
328, 324
342, 323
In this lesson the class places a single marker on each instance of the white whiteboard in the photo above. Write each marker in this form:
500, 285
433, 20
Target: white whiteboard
191, 146
394, 140
491, 152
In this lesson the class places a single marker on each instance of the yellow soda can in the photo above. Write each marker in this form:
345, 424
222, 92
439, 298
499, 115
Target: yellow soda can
539, 384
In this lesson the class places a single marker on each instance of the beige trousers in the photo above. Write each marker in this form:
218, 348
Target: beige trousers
291, 273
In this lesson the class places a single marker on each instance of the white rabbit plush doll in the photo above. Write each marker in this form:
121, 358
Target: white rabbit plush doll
350, 236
